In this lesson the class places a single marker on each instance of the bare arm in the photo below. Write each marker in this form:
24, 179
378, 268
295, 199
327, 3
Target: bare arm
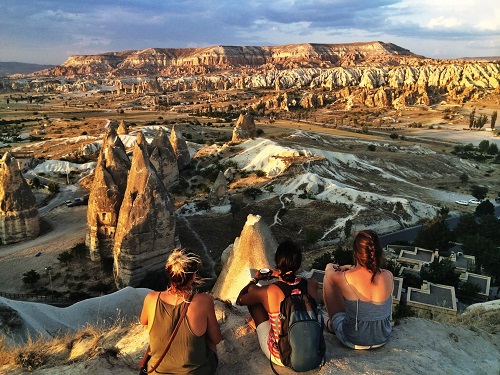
213, 330
146, 307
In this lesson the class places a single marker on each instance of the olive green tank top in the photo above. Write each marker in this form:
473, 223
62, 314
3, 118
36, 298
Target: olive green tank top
188, 353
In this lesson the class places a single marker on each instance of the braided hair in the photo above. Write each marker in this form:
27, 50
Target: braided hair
368, 251
181, 268
288, 258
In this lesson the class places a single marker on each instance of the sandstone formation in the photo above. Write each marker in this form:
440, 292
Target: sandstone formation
19, 219
106, 196
219, 194
244, 128
122, 128
145, 231
164, 159
254, 249
180, 148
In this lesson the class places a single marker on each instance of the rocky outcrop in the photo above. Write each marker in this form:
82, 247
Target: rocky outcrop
145, 232
254, 249
180, 148
164, 159
219, 194
244, 128
106, 196
122, 128
19, 219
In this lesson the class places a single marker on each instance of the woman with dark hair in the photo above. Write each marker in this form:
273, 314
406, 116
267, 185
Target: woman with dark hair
358, 298
263, 302
193, 350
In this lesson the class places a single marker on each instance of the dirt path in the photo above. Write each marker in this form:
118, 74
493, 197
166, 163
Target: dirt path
16, 259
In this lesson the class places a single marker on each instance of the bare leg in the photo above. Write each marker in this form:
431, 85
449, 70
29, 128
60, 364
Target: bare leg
332, 296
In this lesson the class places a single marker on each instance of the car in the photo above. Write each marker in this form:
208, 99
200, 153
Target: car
463, 203
69, 203
474, 201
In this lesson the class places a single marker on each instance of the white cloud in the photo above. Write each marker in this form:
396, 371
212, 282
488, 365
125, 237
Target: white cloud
443, 22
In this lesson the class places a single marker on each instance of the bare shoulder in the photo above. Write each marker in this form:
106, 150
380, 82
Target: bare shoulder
203, 298
151, 296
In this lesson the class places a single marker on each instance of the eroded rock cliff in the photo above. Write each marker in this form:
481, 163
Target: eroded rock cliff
19, 219
145, 231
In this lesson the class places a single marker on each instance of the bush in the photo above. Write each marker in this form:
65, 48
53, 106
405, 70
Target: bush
372, 147
31, 277
394, 136
320, 262
53, 187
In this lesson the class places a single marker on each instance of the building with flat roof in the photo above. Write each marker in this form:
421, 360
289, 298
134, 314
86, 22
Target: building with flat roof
483, 282
431, 298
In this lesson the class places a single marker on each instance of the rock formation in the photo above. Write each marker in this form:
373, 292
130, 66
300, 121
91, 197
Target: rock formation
254, 249
219, 195
180, 149
164, 159
122, 128
106, 196
19, 219
145, 232
244, 128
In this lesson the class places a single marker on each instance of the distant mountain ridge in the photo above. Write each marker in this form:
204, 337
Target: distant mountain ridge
162, 61
12, 67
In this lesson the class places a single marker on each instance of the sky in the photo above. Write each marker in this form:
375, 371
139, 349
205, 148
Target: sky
49, 31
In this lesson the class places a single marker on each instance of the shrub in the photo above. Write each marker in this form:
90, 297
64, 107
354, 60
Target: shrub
320, 262
372, 147
394, 136
31, 277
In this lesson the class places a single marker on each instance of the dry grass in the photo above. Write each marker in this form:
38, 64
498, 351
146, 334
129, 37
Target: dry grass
92, 341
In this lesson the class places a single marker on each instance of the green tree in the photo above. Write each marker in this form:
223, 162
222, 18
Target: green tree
485, 251
485, 208
492, 149
479, 192
252, 192
348, 228
468, 289
35, 183
489, 227
440, 272
65, 257
472, 118
320, 262
343, 256
372, 147
493, 119
434, 234
53, 187
464, 178
467, 225
483, 145
31, 277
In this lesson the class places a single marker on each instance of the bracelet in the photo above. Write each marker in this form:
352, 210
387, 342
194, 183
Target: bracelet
253, 280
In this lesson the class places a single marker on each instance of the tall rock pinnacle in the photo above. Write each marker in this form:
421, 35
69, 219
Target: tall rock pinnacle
180, 148
19, 219
253, 249
164, 159
106, 196
145, 233
244, 128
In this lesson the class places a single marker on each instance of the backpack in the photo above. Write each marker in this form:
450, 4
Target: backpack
301, 342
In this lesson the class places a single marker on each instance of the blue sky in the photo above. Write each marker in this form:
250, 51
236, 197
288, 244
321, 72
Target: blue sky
49, 31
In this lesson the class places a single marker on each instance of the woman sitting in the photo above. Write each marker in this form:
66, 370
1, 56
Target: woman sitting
193, 350
358, 298
263, 302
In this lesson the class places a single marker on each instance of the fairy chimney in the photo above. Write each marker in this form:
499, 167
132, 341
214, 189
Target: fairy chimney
163, 159
19, 219
218, 195
244, 128
106, 196
180, 149
254, 249
145, 233
122, 128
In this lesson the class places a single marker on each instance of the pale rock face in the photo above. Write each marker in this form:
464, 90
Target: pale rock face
122, 128
219, 195
254, 249
19, 219
145, 232
164, 159
244, 128
180, 148
106, 196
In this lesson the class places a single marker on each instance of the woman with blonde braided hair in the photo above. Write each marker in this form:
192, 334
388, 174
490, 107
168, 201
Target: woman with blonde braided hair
358, 298
193, 349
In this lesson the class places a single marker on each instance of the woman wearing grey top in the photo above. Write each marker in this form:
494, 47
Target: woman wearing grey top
358, 298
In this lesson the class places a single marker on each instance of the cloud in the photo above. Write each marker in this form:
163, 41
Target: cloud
115, 25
